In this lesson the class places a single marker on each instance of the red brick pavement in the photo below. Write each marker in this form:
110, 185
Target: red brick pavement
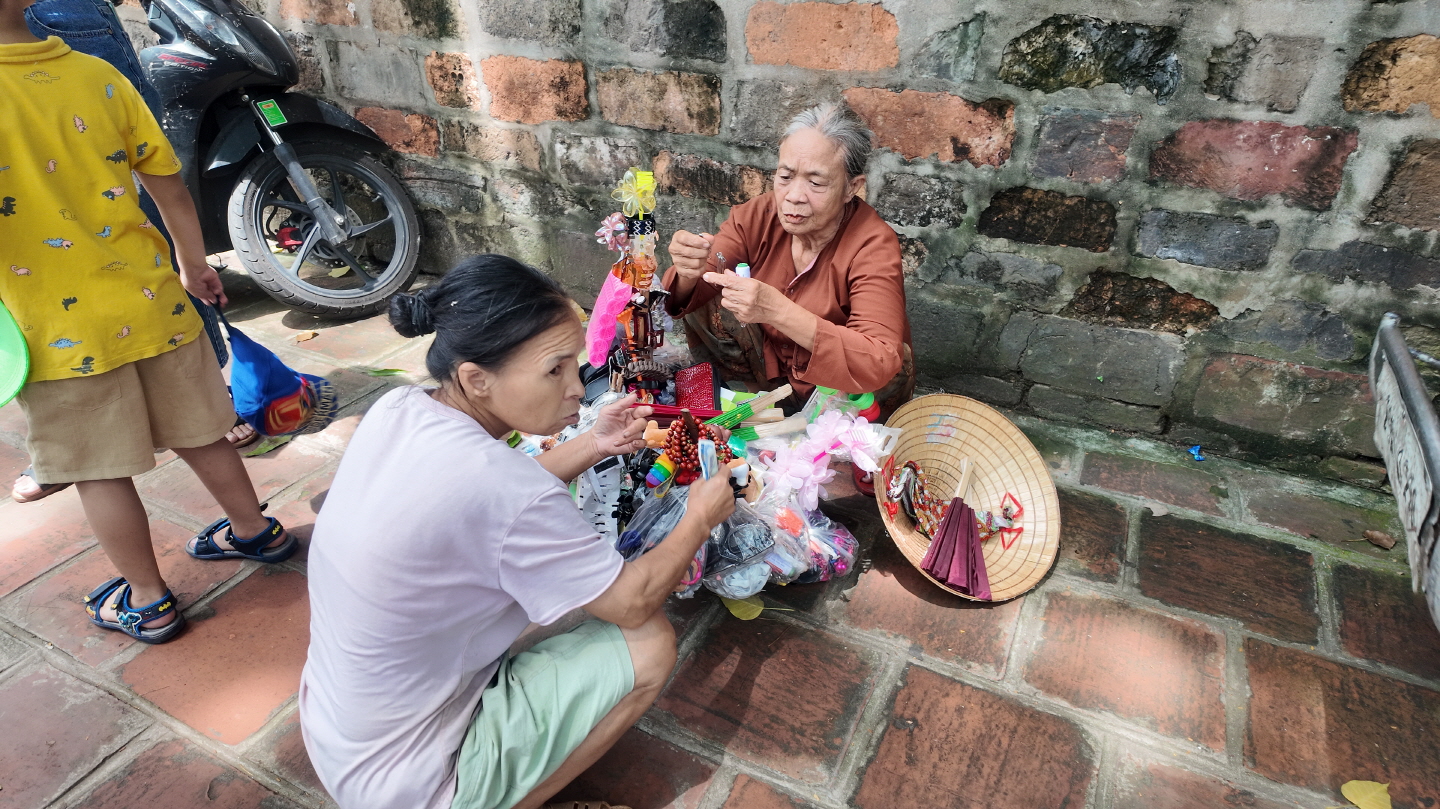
1236, 652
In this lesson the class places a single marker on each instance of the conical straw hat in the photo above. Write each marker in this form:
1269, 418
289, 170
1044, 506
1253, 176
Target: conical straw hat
940, 430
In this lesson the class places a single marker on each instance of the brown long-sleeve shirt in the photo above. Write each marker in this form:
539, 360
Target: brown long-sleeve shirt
855, 286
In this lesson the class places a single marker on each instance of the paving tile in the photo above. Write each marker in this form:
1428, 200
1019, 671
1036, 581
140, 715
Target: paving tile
1335, 523
176, 487
13, 428
336, 437
801, 598
1093, 530
13, 461
57, 729
348, 341
950, 744
1167, 483
298, 515
1148, 785
893, 598
685, 612
780, 696
1268, 586
176, 774
411, 360
229, 673
53, 609
35, 537
282, 751
747, 793
1382, 620
1165, 673
643, 772
1318, 724
351, 342
11, 650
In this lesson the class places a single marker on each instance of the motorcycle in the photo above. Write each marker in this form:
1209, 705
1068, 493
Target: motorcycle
291, 183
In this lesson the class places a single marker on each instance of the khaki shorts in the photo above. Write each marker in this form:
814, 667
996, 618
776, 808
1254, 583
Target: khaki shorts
109, 425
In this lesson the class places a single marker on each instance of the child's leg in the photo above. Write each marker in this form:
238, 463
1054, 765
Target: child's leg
119, 521
219, 467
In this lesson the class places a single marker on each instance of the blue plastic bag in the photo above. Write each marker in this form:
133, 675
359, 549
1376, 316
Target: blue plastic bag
271, 396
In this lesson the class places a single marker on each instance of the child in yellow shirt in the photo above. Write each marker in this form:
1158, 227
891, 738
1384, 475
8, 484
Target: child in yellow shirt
115, 366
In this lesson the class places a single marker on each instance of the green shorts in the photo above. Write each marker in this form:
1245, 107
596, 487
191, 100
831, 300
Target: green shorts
541, 705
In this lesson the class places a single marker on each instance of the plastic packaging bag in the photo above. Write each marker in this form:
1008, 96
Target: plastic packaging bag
740, 581
654, 519
736, 551
832, 549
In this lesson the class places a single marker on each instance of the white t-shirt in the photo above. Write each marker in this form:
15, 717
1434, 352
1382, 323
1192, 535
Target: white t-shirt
436, 546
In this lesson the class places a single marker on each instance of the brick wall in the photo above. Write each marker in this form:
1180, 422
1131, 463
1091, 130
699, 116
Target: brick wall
1171, 218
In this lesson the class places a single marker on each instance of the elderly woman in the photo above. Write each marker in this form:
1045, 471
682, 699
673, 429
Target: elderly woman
439, 543
825, 302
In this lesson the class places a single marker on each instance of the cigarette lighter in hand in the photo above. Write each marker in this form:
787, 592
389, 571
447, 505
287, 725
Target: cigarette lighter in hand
709, 464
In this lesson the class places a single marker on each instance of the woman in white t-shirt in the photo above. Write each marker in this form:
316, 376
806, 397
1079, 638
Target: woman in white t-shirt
437, 546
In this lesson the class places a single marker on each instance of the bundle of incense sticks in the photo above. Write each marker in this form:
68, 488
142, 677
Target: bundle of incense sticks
750, 408
955, 556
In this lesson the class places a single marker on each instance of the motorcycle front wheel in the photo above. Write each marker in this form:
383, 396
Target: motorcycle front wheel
278, 243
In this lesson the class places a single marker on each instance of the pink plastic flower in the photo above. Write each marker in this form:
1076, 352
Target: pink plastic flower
803, 470
612, 233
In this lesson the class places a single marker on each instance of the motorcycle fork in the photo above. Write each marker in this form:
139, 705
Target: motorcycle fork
332, 224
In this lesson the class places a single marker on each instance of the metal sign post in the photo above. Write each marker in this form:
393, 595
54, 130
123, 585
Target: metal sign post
1407, 432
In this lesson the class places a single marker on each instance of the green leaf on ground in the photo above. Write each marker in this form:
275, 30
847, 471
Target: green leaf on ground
384, 371
266, 444
339, 271
746, 609
1367, 794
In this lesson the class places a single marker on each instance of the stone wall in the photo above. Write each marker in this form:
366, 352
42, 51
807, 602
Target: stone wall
1181, 219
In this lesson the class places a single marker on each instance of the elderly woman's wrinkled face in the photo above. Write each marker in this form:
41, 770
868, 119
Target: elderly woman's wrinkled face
538, 391
810, 184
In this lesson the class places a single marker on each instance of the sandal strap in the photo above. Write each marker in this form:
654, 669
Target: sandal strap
257, 543
130, 617
98, 594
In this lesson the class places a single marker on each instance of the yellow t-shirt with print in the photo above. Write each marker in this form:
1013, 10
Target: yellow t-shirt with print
82, 269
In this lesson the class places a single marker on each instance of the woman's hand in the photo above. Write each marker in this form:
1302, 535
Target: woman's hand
620, 428
712, 501
750, 300
690, 252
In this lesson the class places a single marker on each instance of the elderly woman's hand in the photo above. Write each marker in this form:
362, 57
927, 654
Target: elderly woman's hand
620, 428
690, 252
749, 300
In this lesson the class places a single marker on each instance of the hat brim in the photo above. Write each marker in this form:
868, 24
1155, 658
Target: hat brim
14, 357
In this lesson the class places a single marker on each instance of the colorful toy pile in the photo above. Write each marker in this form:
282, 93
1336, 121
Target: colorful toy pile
630, 295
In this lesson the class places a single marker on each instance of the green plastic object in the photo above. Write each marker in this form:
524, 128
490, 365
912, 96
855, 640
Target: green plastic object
14, 357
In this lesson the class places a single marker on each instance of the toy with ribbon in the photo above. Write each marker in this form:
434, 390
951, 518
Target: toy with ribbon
630, 302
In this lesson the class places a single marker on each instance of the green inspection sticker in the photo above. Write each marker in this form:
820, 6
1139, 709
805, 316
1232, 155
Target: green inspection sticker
272, 113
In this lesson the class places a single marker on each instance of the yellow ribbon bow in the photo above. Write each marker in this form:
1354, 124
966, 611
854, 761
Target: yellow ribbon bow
636, 193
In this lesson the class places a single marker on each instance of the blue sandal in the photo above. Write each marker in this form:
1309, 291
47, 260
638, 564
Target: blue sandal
131, 620
203, 546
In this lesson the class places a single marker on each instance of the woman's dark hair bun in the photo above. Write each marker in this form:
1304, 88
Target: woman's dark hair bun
481, 311
411, 315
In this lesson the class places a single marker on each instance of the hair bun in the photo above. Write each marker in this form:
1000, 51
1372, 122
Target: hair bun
410, 315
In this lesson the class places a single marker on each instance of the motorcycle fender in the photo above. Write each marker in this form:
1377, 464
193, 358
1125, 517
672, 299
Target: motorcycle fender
242, 135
